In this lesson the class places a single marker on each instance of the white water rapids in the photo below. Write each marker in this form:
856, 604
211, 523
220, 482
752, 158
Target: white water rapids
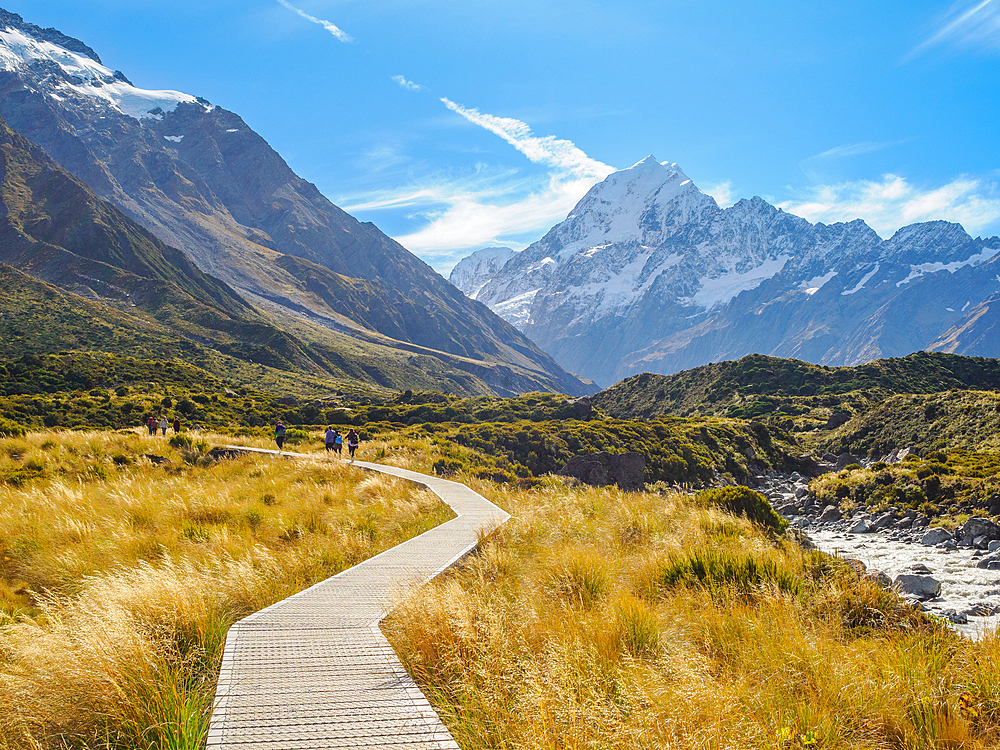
963, 585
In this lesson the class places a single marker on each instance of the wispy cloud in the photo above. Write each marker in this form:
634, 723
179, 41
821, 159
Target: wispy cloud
562, 155
491, 205
333, 29
408, 85
893, 202
722, 192
976, 24
855, 149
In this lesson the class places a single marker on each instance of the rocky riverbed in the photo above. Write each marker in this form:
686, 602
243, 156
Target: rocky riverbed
951, 573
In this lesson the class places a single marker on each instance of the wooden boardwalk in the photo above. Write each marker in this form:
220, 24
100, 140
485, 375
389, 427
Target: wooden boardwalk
315, 671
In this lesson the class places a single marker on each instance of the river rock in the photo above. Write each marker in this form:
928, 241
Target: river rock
885, 521
601, 469
981, 542
978, 527
801, 522
959, 618
921, 586
801, 492
830, 513
918, 569
992, 562
904, 523
994, 545
862, 526
935, 536
883, 581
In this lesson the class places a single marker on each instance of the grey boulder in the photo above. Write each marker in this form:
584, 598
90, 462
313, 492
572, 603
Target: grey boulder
862, 526
921, 586
935, 536
830, 513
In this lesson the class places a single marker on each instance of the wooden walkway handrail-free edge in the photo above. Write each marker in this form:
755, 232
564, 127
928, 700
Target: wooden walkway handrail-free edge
315, 671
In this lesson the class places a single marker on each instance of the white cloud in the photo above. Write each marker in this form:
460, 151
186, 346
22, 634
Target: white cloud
564, 156
722, 192
493, 206
976, 24
893, 202
336, 31
408, 85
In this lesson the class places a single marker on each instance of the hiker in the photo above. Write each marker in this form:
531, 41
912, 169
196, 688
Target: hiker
338, 441
163, 425
151, 424
352, 442
331, 439
279, 435
177, 425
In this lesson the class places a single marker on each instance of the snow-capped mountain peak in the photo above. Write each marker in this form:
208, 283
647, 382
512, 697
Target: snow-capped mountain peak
65, 73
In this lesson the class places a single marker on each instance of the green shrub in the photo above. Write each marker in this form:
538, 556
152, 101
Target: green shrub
11, 429
718, 571
743, 501
179, 441
446, 467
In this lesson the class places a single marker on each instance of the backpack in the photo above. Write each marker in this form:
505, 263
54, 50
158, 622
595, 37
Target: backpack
280, 432
340, 439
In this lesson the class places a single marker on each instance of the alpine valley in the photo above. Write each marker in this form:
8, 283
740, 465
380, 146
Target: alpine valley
648, 273
125, 202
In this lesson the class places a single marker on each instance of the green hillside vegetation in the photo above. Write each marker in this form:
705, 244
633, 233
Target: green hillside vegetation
952, 484
956, 419
798, 395
679, 452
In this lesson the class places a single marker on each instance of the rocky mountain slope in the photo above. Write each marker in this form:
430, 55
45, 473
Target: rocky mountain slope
201, 180
647, 273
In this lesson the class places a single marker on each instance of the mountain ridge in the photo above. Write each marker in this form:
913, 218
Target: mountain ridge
649, 273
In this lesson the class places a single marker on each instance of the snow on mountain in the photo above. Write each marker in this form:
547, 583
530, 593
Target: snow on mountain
66, 73
473, 271
648, 273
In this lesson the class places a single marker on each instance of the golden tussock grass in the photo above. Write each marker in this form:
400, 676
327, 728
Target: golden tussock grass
119, 577
602, 619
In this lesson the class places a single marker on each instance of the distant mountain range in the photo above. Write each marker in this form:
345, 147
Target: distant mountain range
215, 214
648, 273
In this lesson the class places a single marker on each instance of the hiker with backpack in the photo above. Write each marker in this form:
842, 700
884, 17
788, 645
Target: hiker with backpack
338, 442
279, 435
331, 439
352, 442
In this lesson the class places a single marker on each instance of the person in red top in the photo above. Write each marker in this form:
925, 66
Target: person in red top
151, 424
177, 425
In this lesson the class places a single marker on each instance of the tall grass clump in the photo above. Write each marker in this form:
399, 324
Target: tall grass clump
124, 561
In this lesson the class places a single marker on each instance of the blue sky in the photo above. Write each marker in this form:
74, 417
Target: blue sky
456, 124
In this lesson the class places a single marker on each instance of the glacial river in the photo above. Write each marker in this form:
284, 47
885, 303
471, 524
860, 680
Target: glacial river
963, 585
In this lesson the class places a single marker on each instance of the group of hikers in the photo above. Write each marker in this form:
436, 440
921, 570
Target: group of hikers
334, 440
163, 424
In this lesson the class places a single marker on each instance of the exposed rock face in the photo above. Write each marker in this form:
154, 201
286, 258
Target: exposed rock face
601, 469
647, 273
203, 181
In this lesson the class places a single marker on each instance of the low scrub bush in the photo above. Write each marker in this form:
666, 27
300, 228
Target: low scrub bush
718, 571
742, 501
